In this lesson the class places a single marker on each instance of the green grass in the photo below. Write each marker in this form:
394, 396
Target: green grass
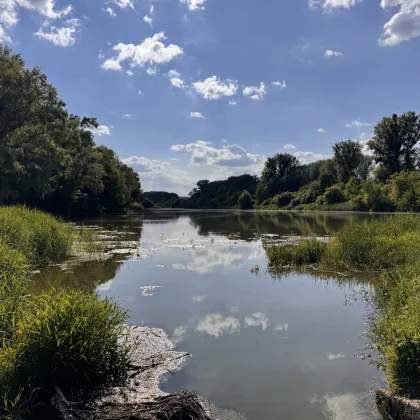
42, 238
69, 339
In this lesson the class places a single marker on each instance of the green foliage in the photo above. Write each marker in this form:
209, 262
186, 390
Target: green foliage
348, 157
334, 194
48, 157
375, 197
405, 191
307, 251
284, 199
160, 199
39, 236
245, 200
394, 143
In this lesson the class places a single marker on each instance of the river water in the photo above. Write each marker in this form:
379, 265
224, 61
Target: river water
263, 347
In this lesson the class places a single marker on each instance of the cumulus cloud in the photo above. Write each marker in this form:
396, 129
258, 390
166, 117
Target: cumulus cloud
254, 92
123, 4
333, 4
282, 84
102, 130
216, 325
331, 53
257, 320
320, 130
214, 88
9, 16
129, 73
232, 103
198, 115
194, 4
289, 146
152, 51
231, 156
139, 164
176, 82
308, 157
358, 124
64, 36
402, 26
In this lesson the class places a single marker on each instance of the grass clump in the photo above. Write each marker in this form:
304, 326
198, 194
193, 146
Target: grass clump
395, 330
42, 238
307, 251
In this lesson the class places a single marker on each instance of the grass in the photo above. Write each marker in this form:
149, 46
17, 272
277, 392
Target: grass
70, 339
42, 238
390, 246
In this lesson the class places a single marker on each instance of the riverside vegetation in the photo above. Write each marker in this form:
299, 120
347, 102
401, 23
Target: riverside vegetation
60, 338
390, 248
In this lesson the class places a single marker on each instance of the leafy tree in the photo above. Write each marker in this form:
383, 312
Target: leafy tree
334, 194
245, 200
280, 173
394, 143
405, 191
365, 168
328, 174
348, 157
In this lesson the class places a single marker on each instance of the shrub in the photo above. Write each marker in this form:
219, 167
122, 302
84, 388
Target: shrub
405, 191
69, 339
334, 194
284, 199
39, 236
245, 200
375, 197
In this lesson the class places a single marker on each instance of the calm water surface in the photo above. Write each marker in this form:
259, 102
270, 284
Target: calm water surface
265, 348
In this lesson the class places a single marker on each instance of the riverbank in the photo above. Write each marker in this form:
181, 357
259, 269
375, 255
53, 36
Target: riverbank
60, 341
390, 248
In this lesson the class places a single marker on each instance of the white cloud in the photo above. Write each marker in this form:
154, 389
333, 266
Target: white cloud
232, 103
8, 18
44, 7
139, 164
63, 36
102, 130
129, 73
152, 71
127, 116
308, 157
320, 130
289, 146
254, 92
151, 10
402, 26
216, 325
214, 88
199, 299
331, 53
152, 51
110, 11
173, 73
123, 4
194, 4
358, 124
230, 156
333, 4
176, 82
284, 327
147, 19
282, 84
257, 320
140, 92
197, 115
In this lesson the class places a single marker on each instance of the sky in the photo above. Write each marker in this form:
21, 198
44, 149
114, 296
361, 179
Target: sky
205, 89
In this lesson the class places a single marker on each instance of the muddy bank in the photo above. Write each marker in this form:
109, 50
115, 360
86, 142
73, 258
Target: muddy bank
397, 408
153, 358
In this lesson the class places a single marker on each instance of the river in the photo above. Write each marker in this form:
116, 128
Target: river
262, 346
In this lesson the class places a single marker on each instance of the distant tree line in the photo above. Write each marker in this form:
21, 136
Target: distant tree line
385, 177
48, 157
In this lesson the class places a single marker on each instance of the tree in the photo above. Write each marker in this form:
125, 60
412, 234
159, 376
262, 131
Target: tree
280, 173
348, 157
245, 200
394, 143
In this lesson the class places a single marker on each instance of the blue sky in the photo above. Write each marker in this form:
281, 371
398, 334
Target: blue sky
192, 89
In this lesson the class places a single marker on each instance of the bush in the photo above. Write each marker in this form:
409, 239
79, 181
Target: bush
284, 199
245, 200
39, 236
405, 191
375, 197
68, 339
334, 194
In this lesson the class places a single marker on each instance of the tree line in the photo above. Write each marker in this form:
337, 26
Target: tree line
384, 177
48, 157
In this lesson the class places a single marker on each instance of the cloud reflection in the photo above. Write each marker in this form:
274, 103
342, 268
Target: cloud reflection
216, 325
257, 319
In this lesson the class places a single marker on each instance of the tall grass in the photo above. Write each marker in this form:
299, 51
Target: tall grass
69, 339
42, 238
